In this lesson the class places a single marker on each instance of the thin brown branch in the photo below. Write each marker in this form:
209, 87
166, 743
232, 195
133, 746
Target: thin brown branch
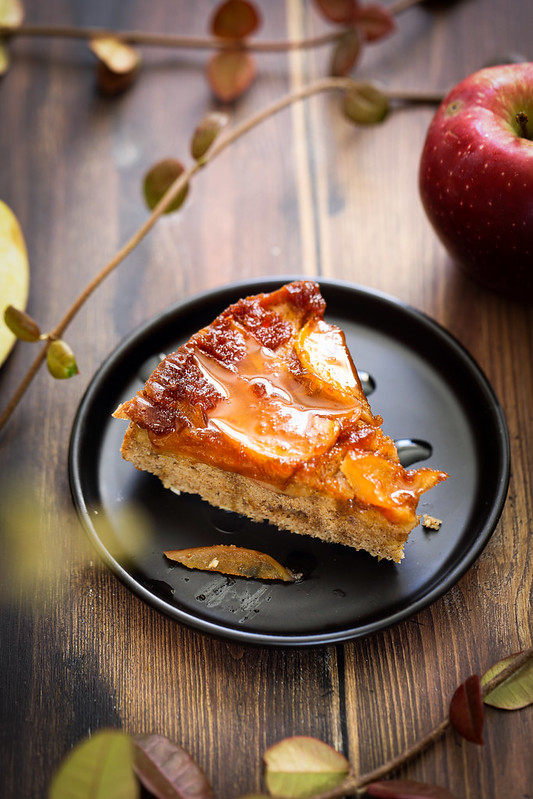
189, 42
354, 784
320, 86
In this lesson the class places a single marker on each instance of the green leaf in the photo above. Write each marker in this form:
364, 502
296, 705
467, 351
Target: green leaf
366, 104
167, 770
4, 57
11, 14
206, 132
300, 767
100, 767
516, 692
230, 73
158, 181
235, 19
61, 361
466, 710
21, 324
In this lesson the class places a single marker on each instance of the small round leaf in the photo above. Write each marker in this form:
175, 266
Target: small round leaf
230, 73
366, 104
118, 64
11, 14
101, 765
346, 53
375, 21
235, 19
300, 767
466, 710
342, 12
61, 361
159, 179
206, 132
21, 324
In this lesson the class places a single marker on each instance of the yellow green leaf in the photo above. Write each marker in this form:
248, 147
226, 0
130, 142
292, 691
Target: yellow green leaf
11, 14
206, 132
100, 767
514, 693
4, 57
300, 767
61, 361
14, 274
158, 181
21, 324
366, 104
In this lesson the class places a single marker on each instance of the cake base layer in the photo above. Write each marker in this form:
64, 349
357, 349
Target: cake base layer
313, 514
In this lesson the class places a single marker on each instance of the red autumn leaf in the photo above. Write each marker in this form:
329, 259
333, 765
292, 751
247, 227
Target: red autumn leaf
466, 710
235, 19
230, 74
167, 770
375, 21
407, 789
346, 53
342, 12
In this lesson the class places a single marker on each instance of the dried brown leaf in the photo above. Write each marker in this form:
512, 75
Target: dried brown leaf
237, 561
158, 181
167, 770
342, 12
375, 21
235, 19
118, 64
230, 74
346, 53
466, 710
407, 789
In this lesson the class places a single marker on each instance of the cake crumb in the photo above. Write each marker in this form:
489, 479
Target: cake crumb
430, 522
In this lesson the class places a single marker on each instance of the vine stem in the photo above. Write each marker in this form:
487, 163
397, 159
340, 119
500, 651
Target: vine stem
319, 86
355, 784
189, 42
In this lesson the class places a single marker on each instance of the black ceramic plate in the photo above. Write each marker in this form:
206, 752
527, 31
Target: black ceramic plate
426, 387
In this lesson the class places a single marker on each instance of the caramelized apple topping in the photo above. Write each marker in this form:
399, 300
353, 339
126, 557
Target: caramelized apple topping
236, 561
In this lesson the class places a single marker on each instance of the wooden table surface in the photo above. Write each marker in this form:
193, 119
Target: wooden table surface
304, 193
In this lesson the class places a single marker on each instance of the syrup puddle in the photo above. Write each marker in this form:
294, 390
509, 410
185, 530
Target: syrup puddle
411, 450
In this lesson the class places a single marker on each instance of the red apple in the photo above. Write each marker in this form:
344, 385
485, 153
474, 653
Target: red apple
476, 177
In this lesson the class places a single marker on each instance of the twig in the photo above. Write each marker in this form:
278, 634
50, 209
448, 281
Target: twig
324, 85
354, 784
188, 42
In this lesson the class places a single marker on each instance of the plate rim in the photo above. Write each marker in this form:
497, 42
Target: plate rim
220, 630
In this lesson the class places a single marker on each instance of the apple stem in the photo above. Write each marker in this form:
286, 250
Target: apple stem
522, 119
